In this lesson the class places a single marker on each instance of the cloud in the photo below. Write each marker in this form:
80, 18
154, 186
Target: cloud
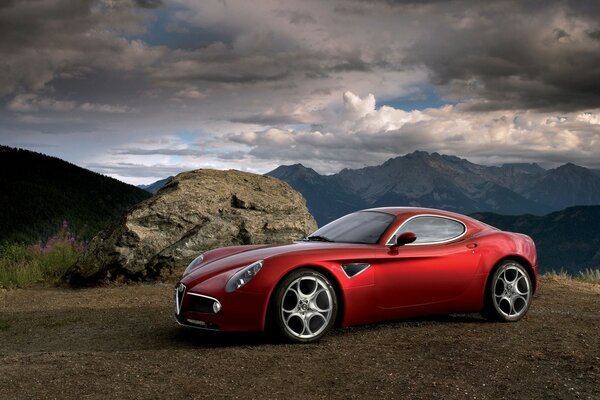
356, 108
363, 134
105, 108
513, 55
137, 170
42, 41
32, 102
295, 17
192, 92
149, 3
29, 102
546, 60
254, 84
285, 114
159, 151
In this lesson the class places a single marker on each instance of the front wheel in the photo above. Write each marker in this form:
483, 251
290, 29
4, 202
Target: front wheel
305, 306
509, 293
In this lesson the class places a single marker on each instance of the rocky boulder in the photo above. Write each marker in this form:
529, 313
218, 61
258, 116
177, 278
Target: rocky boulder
197, 211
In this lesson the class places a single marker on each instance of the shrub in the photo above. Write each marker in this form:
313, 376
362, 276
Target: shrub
22, 265
558, 274
589, 275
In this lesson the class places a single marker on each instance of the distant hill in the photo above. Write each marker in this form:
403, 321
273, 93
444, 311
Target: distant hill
325, 196
446, 182
566, 186
38, 193
156, 186
567, 239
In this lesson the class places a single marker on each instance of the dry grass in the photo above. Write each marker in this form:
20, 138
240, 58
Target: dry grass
588, 275
562, 274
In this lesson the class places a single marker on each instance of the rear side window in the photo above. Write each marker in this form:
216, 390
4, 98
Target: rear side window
431, 229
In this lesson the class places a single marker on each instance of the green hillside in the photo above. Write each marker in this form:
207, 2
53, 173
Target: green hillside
38, 193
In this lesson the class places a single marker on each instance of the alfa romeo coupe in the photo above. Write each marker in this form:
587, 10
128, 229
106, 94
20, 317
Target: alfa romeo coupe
368, 266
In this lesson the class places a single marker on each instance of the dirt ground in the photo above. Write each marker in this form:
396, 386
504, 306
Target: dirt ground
121, 342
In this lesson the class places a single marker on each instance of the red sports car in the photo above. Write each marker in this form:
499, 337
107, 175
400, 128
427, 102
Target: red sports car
371, 265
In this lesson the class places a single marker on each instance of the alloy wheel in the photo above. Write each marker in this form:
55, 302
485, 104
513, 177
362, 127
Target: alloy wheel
307, 307
511, 291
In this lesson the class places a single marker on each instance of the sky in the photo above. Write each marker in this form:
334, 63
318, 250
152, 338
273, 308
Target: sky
143, 89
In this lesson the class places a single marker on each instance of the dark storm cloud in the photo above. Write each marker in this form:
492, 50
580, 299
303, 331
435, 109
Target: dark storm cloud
560, 34
505, 54
352, 65
514, 54
595, 34
149, 3
44, 40
25, 23
295, 17
499, 55
242, 77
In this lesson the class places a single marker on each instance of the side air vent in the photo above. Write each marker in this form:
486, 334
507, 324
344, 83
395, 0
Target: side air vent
353, 269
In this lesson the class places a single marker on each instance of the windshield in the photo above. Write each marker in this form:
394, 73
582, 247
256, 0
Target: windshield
360, 227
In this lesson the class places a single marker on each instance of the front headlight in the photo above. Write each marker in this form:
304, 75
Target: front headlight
243, 276
197, 261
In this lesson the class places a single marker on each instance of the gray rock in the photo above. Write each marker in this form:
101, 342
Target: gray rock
197, 211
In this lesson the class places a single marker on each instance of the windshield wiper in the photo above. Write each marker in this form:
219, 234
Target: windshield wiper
318, 238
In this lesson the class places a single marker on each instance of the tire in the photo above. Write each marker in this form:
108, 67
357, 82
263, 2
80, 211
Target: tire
305, 306
509, 292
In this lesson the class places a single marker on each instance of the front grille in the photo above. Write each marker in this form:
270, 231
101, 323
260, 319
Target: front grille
179, 294
201, 304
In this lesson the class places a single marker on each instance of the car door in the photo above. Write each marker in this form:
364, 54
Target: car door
438, 267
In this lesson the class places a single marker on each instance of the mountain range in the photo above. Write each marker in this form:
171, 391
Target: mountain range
39, 192
566, 240
155, 186
445, 182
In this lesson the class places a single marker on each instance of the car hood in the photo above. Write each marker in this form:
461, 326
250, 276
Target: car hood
245, 255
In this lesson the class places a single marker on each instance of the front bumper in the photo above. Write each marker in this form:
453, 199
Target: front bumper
237, 312
197, 303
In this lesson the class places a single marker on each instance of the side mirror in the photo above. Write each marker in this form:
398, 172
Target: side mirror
405, 238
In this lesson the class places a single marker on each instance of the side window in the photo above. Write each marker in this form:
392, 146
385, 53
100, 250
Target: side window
431, 229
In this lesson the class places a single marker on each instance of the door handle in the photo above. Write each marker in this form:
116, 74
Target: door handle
472, 245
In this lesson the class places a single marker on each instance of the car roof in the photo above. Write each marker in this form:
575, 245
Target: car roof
410, 211
413, 210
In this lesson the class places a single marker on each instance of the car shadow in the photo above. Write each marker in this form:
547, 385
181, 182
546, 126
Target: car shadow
151, 328
416, 322
202, 338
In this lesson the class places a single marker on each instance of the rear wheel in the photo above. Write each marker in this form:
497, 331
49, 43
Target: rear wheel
509, 292
305, 306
